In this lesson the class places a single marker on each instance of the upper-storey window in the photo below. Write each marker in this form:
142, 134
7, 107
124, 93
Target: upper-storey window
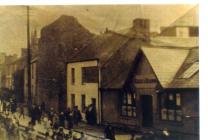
90, 74
182, 32
72, 76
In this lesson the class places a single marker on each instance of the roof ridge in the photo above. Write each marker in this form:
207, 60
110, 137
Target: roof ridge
169, 47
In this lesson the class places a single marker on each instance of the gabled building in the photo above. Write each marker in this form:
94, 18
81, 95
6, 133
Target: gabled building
136, 80
104, 67
179, 102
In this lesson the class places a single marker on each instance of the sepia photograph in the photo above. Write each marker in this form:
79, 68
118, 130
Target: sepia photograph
99, 72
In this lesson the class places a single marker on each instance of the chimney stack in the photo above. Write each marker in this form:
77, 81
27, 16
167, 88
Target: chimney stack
142, 28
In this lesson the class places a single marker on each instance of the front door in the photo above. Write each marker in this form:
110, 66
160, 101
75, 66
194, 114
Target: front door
147, 113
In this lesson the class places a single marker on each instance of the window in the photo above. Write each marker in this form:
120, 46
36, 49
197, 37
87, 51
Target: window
182, 32
72, 100
72, 76
83, 101
171, 107
193, 31
190, 71
90, 74
128, 107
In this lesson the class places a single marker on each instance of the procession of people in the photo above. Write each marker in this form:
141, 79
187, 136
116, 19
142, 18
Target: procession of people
54, 123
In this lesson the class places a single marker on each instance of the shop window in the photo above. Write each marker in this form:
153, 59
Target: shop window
171, 107
128, 104
90, 74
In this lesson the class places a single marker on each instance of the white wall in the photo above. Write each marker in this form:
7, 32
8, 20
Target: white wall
90, 90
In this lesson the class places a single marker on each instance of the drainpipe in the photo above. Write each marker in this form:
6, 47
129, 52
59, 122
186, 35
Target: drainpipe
99, 94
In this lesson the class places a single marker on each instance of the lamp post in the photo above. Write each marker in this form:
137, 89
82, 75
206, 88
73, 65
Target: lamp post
28, 59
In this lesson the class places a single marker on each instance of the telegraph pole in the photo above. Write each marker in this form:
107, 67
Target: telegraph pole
28, 59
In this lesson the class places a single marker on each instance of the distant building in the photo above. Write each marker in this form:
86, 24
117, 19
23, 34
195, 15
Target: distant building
2, 61
184, 27
8, 70
59, 41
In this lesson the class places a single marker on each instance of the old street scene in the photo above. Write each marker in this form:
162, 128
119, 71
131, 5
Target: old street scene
117, 72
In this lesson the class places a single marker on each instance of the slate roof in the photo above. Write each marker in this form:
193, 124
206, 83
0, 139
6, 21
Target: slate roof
165, 62
102, 48
193, 81
116, 54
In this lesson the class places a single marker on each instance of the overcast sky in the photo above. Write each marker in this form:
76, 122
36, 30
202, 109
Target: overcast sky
94, 18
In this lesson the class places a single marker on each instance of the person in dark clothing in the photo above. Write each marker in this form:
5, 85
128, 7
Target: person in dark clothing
40, 113
42, 107
37, 113
13, 106
77, 117
70, 121
61, 119
56, 124
68, 118
91, 115
87, 116
109, 132
33, 115
51, 114
67, 112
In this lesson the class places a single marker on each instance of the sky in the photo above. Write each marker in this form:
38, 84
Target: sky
94, 18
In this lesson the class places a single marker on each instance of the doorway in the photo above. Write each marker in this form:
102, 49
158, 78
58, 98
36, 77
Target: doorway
147, 112
93, 101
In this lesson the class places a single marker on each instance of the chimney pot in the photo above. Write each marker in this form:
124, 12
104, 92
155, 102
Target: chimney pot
141, 27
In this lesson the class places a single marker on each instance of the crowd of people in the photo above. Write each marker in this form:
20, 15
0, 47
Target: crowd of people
50, 119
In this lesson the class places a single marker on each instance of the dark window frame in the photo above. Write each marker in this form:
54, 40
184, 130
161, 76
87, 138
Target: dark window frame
90, 74
128, 109
72, 76
170, 105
